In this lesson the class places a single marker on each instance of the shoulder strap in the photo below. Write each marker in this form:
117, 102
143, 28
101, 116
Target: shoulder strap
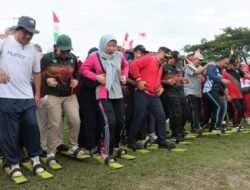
100, 62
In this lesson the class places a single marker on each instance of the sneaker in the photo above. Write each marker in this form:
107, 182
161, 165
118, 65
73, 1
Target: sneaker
168, 146
197, 131
134, 147
217, 130
62, 147
237, 129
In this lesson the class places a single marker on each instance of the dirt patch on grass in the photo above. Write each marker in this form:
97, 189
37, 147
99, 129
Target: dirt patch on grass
238, 181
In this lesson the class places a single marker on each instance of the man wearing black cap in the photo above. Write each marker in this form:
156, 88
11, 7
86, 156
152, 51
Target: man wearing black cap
147, 72
18, 61
175, 98
60, 76
128, 90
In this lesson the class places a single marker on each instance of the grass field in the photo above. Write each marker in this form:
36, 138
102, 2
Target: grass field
209, 163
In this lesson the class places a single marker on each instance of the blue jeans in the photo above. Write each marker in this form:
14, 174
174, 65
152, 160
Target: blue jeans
18, 122
142, 103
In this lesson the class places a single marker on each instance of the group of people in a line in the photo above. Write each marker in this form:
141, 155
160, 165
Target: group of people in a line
109, 99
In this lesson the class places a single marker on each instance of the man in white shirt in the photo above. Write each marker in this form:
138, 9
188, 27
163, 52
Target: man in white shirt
19, 62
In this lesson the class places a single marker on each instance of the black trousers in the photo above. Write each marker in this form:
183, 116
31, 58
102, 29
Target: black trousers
92, 122
236, 111
193, 103
178, 109
114, 116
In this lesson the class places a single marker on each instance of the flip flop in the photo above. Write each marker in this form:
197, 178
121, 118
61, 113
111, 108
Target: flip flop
113, 165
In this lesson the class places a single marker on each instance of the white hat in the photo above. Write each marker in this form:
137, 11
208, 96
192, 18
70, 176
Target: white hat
198, 56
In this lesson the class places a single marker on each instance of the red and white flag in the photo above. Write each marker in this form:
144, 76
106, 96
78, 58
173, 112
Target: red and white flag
125, 43
232, 51
142, 35
56, 23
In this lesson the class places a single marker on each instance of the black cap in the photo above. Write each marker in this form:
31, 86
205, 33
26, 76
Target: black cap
28, 24
175, 55
167, 52
140, 48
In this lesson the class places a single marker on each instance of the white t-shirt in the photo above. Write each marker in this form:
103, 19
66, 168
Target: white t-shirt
18, 62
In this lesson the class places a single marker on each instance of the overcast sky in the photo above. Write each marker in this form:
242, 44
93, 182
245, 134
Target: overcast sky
170, 23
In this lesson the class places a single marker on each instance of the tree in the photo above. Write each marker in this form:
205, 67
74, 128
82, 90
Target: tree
239, 38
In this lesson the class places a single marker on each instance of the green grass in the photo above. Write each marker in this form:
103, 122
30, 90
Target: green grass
210, 162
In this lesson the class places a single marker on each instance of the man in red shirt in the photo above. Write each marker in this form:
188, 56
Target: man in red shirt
234, 94
147, 72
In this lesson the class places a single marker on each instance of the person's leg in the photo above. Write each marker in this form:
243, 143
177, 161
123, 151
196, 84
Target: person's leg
71, 112
10, 115
246, 98
60, 138
140, 108
119, 110
89, 120
109, 128
214, 98
41, 113
156, 108
174, 107
193, 104
54, 108
30, 129
234, 112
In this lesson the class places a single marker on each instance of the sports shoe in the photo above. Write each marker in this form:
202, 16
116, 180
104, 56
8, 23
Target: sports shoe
62, 147
134, 147
168, 146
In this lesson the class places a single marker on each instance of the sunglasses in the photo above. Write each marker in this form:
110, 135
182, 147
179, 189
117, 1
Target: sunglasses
26, 32
66, 51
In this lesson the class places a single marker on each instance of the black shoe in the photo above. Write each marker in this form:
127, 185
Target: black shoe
44, 153
62, 147
168, 146
134, 147
197, 131
94, 151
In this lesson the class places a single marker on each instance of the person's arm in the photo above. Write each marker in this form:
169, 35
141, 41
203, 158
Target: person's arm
136, 65
201, 69
211, 73
125, 68
37, 85
87, 67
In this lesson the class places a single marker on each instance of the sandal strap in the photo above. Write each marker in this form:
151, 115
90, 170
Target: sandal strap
36, 167
49, 159
147, 143
75, 153
14, 171
121, 152
108, 158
